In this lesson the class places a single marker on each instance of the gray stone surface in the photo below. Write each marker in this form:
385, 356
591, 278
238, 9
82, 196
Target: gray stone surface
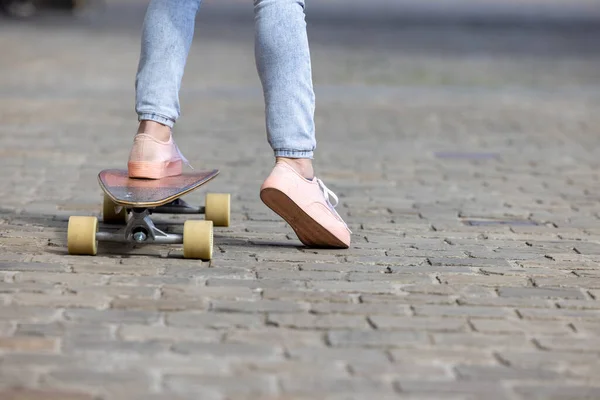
466, 160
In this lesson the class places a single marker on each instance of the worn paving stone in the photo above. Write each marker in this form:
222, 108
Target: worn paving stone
465, 164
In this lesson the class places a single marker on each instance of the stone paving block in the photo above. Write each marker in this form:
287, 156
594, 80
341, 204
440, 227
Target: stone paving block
394, 278
541, 292
502, 373
398, 308
29, 287
464, 290
256, 284
306, 295
324, 386
230, 351
38, 361
462, 311
477, 262
521, 326
587, 283
146, 395
29, 344
300, 275
488, 341
559, 313
556, 392
209, 273
579, 344
578, 304
400, 370
586, 327
202, 293
116, 268
444, 355
158, 305
31, 266
386, 322
299, 257
65, 300
280, 336
325, 355
532, 272
213, 320
260, 306
541, 359
386, 261
66, 279
484, 280
412, 299
345, 267
153, 281
144, 333
92, 380
506, 302
208, 386
112, 316
324, 321
355, 287
482, 388
47, 394
14, 377
78, 345
28, 314
364, 338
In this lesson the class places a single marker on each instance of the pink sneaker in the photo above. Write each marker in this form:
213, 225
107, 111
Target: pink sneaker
152, 159
306, 207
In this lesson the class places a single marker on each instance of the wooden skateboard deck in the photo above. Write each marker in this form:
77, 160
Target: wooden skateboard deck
141, 193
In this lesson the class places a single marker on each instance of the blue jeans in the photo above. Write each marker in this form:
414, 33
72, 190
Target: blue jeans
282, 59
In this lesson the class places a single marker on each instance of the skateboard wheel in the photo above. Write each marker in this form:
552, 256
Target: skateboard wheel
108, 212
198, 239
81, 236
217, 208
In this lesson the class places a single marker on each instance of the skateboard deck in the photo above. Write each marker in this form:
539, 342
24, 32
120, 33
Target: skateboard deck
140, 193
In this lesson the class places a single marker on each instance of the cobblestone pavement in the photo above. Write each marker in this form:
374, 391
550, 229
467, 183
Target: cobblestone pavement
467, 162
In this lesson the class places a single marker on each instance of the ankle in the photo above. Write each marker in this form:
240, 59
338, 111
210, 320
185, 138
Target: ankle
301, 165
156, 130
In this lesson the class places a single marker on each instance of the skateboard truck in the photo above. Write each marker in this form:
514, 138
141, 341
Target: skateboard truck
140, 229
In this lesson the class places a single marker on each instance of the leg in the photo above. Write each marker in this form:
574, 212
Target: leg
284, 66
167, 37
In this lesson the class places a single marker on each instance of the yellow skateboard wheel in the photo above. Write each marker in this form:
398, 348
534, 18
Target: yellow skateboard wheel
109, 215
198, 239
218, 208
81, 236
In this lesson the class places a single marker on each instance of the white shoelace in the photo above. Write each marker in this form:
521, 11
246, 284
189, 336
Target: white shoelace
185, 160
329, 195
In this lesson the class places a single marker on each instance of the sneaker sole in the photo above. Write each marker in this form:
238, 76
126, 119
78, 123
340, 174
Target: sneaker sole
153, 170
309, 231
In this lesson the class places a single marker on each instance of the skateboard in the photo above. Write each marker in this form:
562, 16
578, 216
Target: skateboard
131, 202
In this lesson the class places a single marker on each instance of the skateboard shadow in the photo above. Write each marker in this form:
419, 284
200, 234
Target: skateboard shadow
13, 222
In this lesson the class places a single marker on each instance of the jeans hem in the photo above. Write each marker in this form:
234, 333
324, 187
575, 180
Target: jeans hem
294, 153
161, 119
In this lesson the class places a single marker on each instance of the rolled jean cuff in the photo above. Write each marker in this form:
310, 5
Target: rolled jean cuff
161, 119
294, 153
